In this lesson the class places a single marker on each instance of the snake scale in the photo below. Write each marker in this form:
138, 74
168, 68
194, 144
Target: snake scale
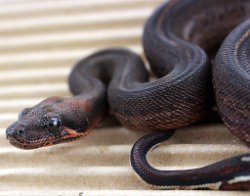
180, 42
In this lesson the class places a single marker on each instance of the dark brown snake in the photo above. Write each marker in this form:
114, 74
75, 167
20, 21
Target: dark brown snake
178, 38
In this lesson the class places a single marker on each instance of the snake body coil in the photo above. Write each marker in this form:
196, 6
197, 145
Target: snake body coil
178, 38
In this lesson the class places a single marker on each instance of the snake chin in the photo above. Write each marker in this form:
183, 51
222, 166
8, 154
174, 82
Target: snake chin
29, 144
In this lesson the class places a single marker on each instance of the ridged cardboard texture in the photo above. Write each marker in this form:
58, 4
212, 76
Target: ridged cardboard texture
39, 43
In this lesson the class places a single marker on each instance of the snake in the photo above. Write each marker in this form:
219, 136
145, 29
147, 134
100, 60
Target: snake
198, 50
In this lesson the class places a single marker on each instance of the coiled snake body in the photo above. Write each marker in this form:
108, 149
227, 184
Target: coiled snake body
116, 78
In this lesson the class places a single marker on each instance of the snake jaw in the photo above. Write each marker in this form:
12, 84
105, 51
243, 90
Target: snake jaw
28, 141
65, 135
26, 145
31, 138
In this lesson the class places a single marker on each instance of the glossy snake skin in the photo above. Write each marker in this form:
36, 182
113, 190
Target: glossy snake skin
178, 39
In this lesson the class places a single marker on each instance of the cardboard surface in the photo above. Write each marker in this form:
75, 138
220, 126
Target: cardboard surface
39, 43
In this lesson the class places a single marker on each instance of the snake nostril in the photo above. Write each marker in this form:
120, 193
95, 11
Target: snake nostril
14, 131
10, 132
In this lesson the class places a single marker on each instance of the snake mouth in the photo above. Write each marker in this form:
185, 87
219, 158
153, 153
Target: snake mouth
25, 144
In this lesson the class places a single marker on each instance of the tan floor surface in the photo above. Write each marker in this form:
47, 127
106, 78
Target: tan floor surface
39, 43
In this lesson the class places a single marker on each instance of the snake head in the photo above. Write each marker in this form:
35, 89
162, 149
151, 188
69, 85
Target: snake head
52, 121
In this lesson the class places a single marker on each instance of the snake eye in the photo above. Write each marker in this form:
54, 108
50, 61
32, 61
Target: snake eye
54, 124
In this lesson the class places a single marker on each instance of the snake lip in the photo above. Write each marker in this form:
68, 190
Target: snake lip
22, 145
25, 144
